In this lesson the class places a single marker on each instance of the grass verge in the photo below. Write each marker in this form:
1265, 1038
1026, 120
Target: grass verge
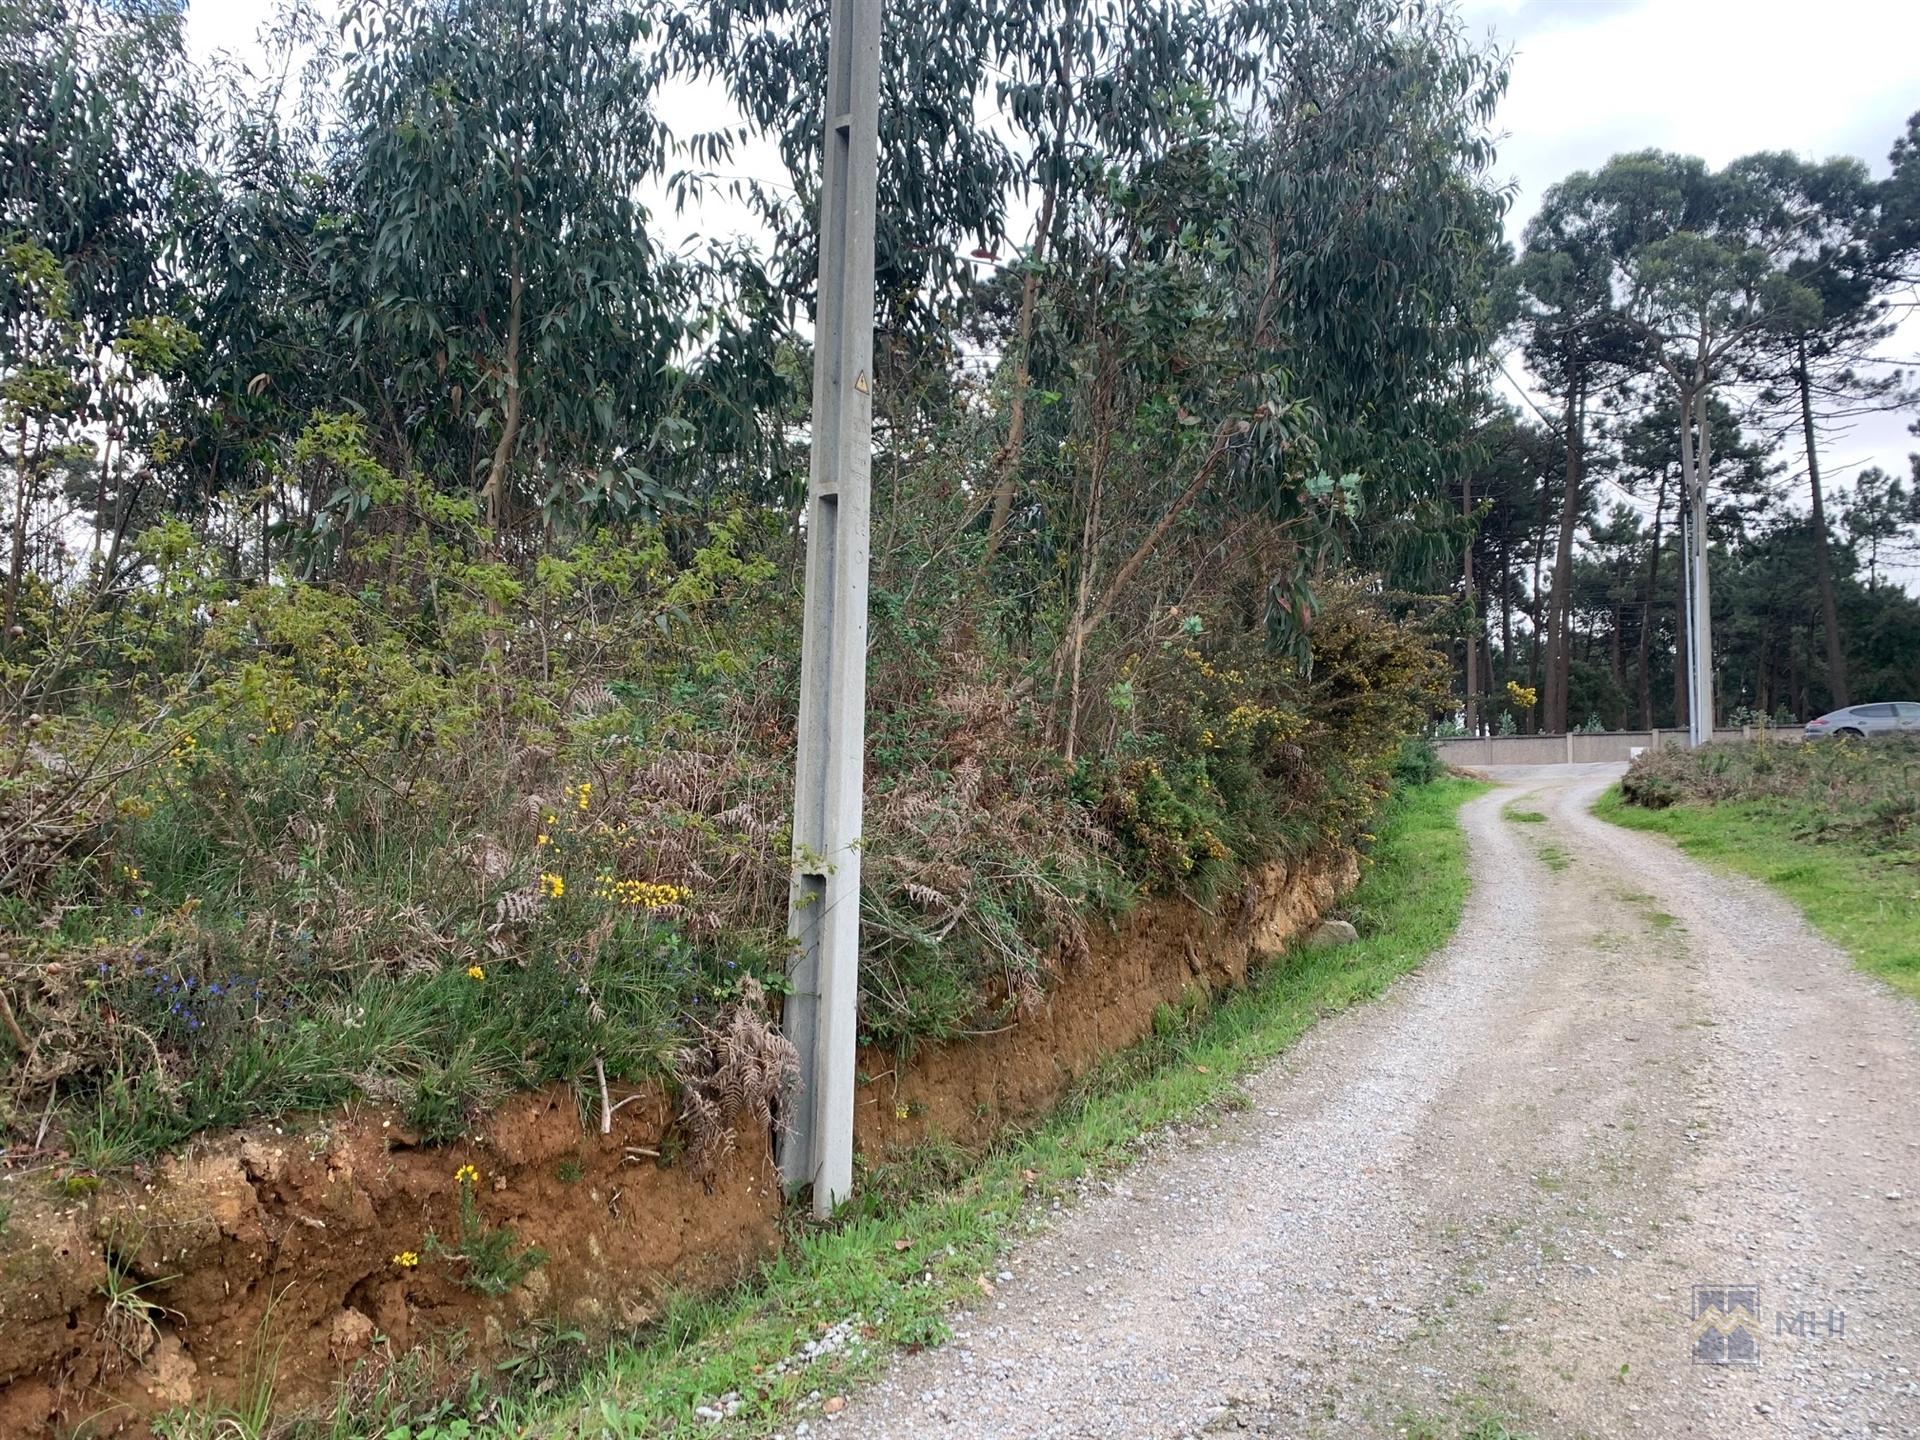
924, 1237
1867, 903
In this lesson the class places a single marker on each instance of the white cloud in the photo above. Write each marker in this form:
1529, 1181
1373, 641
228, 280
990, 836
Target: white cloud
1713, 78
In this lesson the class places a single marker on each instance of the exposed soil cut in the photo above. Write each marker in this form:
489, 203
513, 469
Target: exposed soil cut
290, 1240
967, 1090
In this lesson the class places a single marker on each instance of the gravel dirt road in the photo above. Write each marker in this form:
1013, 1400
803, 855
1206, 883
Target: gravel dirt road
1493, 1193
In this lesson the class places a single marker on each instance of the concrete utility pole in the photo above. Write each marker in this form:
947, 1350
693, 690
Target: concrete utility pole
1683, 639
1696, 465
824, 908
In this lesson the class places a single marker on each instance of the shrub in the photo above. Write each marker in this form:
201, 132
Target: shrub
1418, 763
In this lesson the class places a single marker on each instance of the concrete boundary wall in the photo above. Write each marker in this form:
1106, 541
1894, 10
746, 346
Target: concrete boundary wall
1580, 748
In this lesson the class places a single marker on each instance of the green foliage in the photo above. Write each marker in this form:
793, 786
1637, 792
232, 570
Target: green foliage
343, 842
492, 1260
418, 724
1855, 795
1418, 762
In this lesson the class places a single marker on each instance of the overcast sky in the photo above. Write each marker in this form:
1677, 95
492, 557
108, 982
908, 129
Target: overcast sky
1592, 78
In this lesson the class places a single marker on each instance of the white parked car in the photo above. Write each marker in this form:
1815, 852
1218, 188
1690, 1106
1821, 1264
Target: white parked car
1862, 722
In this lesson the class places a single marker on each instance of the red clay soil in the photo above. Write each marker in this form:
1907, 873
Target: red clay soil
969, 1090
283, 1240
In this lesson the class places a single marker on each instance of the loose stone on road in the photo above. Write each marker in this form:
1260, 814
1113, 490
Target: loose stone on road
1496, 1191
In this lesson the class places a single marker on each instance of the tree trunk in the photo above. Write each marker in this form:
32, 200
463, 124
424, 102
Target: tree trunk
1682, 642
17, 550
1822, 561
1796, 676
1089, 549
1617, 658
1009, 458
1506, 607
1646, 606
1124, 575
1029, 296
510, 421
1540, 609
1763, 692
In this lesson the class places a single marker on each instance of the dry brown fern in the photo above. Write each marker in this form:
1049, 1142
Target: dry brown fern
739, 1074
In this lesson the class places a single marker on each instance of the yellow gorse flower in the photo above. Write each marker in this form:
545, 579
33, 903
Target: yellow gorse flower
466, 1175
644, 894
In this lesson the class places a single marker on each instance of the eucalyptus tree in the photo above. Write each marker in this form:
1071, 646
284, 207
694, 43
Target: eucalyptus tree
98, 126
1352, 260
1359, 312
985, 106
1364, 250
514, 326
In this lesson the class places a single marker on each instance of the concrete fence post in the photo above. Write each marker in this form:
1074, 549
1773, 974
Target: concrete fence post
1569, 747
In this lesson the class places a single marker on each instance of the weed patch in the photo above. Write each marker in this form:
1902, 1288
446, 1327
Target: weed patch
491, 1260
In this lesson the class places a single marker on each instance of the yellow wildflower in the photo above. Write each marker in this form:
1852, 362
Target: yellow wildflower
406, 1259
466, 1175
643, 894
474, 972
552, 886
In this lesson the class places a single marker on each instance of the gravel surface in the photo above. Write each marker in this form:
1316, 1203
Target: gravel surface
1493, 1191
